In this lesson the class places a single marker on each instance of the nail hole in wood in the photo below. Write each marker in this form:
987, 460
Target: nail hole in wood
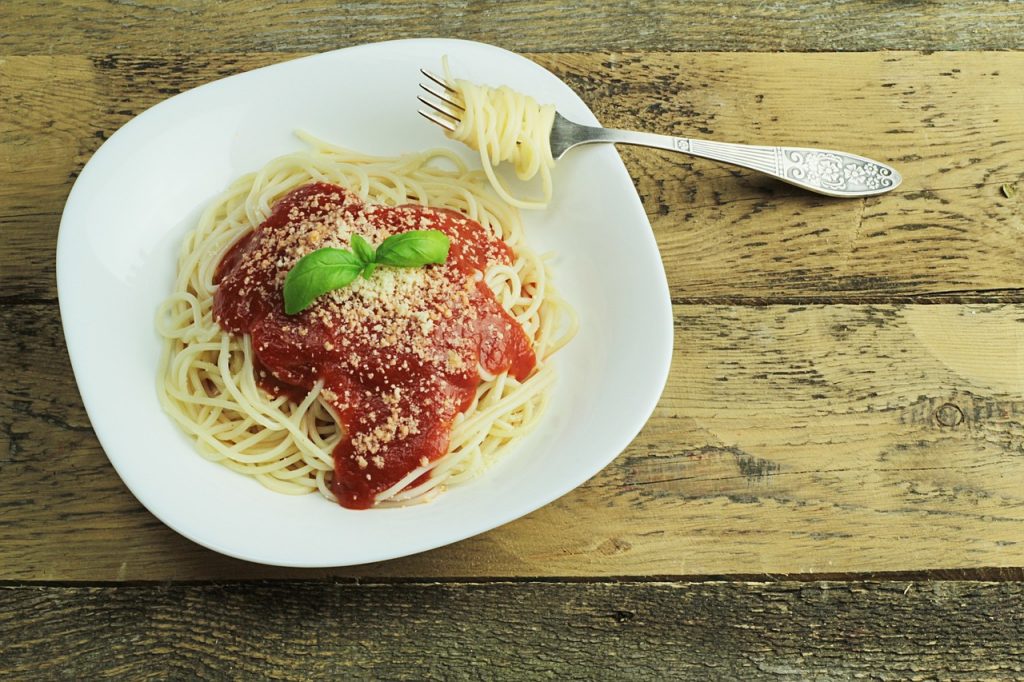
949, 415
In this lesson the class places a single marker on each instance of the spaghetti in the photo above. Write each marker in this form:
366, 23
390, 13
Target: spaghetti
210, 379
505, 125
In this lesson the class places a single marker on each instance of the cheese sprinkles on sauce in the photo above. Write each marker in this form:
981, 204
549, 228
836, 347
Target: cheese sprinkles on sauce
382, 392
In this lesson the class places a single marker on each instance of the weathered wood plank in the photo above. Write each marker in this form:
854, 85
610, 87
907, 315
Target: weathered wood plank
790, 440
168, 27
623, 631
951, 122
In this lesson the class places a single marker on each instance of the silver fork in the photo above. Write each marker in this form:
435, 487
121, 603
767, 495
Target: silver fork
825, 171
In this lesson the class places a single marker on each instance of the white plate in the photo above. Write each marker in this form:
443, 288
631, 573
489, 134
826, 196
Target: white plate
144, 188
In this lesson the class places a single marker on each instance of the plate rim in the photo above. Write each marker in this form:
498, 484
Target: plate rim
78, 355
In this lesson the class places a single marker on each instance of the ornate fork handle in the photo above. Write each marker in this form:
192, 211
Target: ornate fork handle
825, 171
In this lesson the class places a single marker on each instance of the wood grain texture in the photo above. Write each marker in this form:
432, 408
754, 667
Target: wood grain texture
793, 438
191, 26
951, 122
789, 440
522, 631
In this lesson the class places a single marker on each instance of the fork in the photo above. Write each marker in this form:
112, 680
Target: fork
825, 171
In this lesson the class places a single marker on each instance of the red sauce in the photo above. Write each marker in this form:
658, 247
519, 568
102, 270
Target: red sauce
395, 381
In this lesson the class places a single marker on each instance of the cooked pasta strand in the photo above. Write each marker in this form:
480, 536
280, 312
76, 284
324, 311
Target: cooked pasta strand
206, 378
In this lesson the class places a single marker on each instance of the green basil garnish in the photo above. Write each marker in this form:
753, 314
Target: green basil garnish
413, 249
327, 269
317, 273
362, 248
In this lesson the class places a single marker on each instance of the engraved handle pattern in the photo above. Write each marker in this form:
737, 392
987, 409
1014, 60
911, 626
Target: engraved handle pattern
820, 170
824, 171
837, 172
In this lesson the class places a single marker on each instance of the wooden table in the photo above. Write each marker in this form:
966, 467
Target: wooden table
832, 484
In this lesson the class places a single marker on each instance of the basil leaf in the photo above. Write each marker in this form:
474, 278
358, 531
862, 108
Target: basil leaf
328, 269
362, 248
317, 273
413, 249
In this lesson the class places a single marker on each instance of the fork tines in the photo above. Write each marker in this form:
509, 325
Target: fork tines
442, 103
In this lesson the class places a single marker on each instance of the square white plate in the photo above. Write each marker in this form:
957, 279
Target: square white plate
144, 188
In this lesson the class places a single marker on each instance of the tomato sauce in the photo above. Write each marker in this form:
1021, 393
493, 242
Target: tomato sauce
398, 354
